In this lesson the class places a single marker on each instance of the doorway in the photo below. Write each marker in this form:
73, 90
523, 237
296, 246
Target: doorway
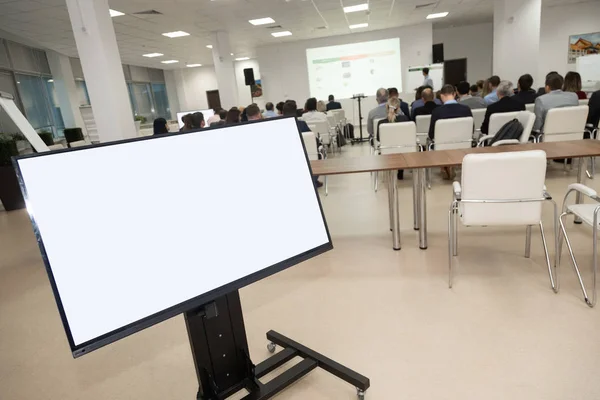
213, 98
455, 71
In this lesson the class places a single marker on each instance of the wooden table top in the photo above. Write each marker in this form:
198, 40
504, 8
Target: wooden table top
448, 158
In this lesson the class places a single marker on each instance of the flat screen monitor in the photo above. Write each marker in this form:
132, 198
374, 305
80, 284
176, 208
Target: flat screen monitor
141, 230
207, 114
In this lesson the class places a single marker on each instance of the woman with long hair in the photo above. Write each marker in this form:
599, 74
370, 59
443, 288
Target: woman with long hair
394, 115
486, 88
233, 116
160, 126
188, 123
573, 84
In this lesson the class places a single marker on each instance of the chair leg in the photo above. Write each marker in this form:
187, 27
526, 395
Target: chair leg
548, 263
326, 187
455, 234
389, 176
594, 263
528, 242
451, 222
428, 177
573, 260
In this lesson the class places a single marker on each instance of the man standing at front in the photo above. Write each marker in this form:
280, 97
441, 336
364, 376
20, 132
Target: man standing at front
427, 80
378, 112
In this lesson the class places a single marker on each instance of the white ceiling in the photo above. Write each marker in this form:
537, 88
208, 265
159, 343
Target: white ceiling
47, 22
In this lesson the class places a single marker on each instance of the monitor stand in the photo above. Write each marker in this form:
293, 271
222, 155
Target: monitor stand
223, 366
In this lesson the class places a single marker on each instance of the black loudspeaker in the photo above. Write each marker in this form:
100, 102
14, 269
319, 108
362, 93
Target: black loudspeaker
438, 53
249, 75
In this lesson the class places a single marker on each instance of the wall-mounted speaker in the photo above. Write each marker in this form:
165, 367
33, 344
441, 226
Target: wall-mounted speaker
438, 53
249, 75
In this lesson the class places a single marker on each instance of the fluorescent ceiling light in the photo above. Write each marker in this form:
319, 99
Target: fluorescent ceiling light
437, 15
169, 62
114, 13
242, 58
151, 55
356, 26
176, 34
231, 54
193, 65
262, 21
281, 34
209, 46
50, 80
358, 7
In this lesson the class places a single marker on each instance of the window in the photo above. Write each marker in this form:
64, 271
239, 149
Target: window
82, 93
35, 99
59, 124
159, 90
141, 100
7, 84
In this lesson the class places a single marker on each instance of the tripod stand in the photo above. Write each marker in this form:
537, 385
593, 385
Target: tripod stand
359, 97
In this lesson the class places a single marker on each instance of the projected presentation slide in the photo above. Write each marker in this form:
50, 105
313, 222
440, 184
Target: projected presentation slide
351, 69
207, 114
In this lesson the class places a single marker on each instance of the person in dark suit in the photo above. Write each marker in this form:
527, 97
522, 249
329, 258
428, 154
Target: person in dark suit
393, 92
450, 109
428, 106
333, 105
505, 103
394, 114
526, 94
594, 106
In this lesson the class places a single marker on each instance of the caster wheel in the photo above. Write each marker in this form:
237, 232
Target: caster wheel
271, 347
360, 394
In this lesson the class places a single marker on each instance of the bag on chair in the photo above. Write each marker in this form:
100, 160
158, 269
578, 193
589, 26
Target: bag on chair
511, 130
349, 131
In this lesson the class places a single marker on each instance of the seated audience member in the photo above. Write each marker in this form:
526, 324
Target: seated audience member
485, 90
290, 110
480, 84
215, 118
526, 94
279, 108
394, 114
270, 111
332, 104
428, 106
233, 116
492, 97
222, 118
311, 114
506, 103
393, 93
594, 105
160, 126
553, 98
451, 109
243, 116
188, 123
253, 113
573, 84
419, 101
321, 107
474, 91
542, 90
378, 112
465, 98
198, 120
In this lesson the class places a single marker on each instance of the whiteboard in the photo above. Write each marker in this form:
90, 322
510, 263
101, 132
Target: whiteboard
589, 69
146, 225
415, 77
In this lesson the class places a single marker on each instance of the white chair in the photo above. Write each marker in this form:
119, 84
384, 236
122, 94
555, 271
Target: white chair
530, 107
79, 143
588, 213
450, 134
511, 198
478, 118
310, 143
423, 122
584, 102
564, 123
333, 132
324, 131
498, 120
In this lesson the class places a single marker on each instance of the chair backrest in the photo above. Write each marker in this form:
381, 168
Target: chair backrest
530, 107
517, 175
527, 119
584, 102
57, 146
455, 133
331, 120
79, 143
565, 123
398, 137
340, 113
498, 120
336, 116
478, 117
423, 122
310, 142
375, 123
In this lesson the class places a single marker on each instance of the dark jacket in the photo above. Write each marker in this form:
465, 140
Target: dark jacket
427, 109
334, 105
526, 97
448, 111
399, 118
594, 105
404, 108
505, 104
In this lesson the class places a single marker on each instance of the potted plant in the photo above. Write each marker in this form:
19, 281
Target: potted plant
47, 137
10, 191
73, 135
139, 120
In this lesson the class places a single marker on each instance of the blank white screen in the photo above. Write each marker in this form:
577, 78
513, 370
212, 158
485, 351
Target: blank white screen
207, 114
135, 228
354, 68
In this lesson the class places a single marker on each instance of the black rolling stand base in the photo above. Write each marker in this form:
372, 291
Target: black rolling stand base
223, 366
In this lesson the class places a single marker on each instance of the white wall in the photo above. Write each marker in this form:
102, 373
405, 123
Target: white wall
558, 23
473, 42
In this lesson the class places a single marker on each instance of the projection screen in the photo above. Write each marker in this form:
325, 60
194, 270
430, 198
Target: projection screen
135, 232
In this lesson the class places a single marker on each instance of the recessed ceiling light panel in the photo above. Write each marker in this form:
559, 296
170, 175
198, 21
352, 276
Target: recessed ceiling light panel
358, 26
356, 8
281, 34
152, 55
242, 58
193, 65
437, 15
115, 13
176, 34
262, 21
209, 46
169, 62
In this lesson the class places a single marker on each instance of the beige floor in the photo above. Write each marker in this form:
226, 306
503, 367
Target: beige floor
499, 334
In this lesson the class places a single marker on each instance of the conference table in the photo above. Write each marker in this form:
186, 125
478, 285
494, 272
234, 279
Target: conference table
419, 162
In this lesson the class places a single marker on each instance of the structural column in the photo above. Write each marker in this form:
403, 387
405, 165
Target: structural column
517, 25
102, 69
224, 69
66, 90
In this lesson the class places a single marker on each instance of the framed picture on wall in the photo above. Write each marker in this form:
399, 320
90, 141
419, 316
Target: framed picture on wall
583, 45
